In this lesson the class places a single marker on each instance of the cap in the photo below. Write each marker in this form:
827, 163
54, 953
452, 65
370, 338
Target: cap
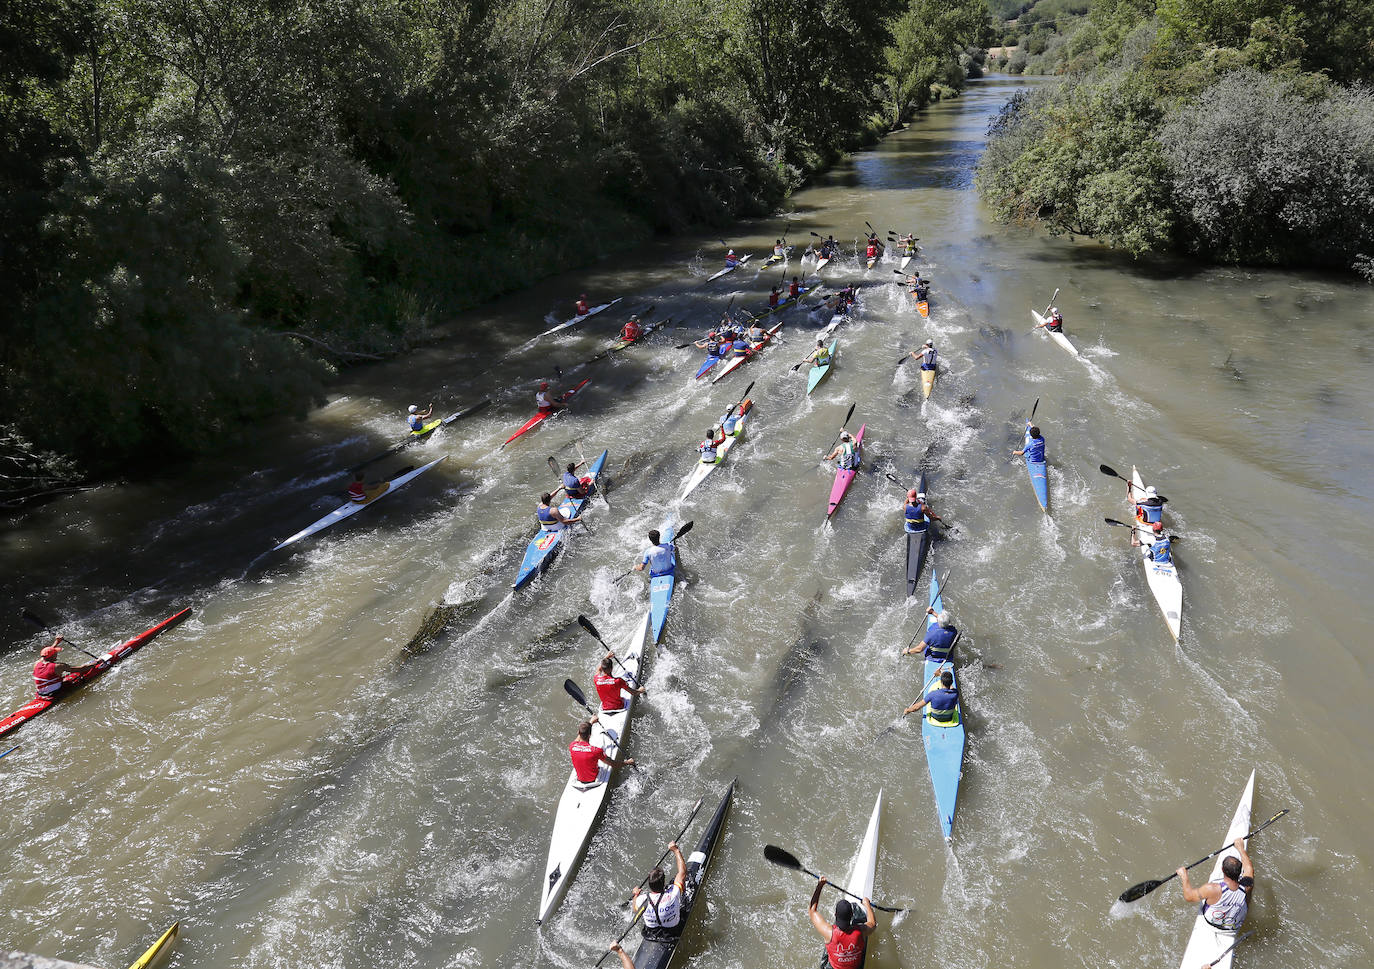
413, 408
543, 385
50, 651
1158, 528
943, 617
730, 253
1053, 310
844, 435
1149, 491
930, 343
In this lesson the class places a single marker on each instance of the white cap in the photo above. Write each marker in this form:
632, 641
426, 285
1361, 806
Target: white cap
730, 253
943, 617
1053, 310
1150, 491
844, 435
921, 495
930, 343
413, 408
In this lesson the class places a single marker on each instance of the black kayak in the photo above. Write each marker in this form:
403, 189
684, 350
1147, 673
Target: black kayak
655, 952
917, 544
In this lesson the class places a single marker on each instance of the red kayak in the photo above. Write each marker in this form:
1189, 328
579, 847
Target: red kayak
75, 681
540, 417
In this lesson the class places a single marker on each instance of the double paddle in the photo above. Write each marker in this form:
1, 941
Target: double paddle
902, 719
586, 624
842, 427
686, 527
1139, 891
1111, 472
786, 859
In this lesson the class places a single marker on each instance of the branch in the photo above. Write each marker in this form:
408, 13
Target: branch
615, 53
342, 354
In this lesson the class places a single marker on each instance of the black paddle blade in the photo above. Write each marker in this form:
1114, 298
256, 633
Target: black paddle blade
553, 465
1137, 892
1113, 521
1108, 470
575, 692
586, 624
849, 414
780, 857
1033, 409
684, 530
31, 618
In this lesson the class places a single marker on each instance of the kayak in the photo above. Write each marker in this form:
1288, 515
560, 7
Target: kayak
1207, 943
785, 304
874, 260
703, 469
729, 269
584, 316
822, 262
735, 363
944, 742
350, 508
542, 548
923, 307
580, 806
711, 361
432, 426
862, 875
1162, 577
901, 266
927, 383
160, 950
619, 345
817, 374
72, 682
774, 259
839, 312
843, 477
661, 588
543, 415
1039, 477
917, 544
1058, 338
656, 952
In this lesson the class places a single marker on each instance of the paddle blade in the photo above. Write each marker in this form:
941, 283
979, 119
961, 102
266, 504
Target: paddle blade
575, 692
1107, 469
848, 415
780, 857
1113, 521
586, 624
1137, 892
31, 618
553, 465
683, 530
1033, 409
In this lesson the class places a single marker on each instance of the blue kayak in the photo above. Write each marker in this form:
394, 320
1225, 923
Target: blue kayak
944, 743
661, 588
542, 548
1038, 478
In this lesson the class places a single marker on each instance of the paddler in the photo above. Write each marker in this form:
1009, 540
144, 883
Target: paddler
943, 701
632, 330
662, 904
774, 297
926, 355
908, 244
779, 250
731, 260
740, 347
550, 516
1034, 448
820, 356
1149, 507
1054, 323
661, 556
415, 419
916, 511
757, 334
794, 290
587, 757
829, 247
920, 288
847, 451
546, 402
1224, 903
48, 673
608, 686
847, 939
871, 250
582, 308
1160, 549
574, 486
939, 638
715, 437
357, 489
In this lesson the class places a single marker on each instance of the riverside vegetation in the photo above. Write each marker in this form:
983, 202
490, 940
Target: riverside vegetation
1228, 131
207, 208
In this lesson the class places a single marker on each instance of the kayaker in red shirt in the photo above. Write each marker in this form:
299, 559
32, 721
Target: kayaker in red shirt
773, 298
582, 308
546, 402
632, 331
846, 940
794, 290
609, 686
48, 673
587, 757
357, 490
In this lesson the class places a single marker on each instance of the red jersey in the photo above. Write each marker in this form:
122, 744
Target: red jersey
794, 289
582, 308
872, 250
631, 332
45, 676
357, 491
773, 298
608, 688
586, 759
845, 950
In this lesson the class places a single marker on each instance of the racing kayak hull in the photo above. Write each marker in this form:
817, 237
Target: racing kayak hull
702, 471
543, 415
160, 951
944, 742
581, 805
1162, 577
661, 589
585, 316
1207, 942
844, 476
1058, 338
350, 508
74, 681
619, 345
865, 869
729, 269
917, 544
734, 363
901, 266
817, 374
1038, 471
540, 551
711, 361
927, 383
923, 307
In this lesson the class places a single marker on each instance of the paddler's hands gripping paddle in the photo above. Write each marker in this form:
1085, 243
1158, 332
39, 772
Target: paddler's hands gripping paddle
788, 860
586, 624
35, 620
922, 631
1108, 470
1137, 892
1113, 521
1029, 420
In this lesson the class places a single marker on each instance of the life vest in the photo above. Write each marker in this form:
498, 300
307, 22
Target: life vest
872, 251
943, 706
916, 517
845, 950
773, 299
1035, 450
939, 640
582, 308
586, 760
542, 400
631, 332
822, 356
414, 421
741, 348
1056, 324
357, 491
1150, 513
712, 347
708, 451
608, 687
46, 679
547, 518
727, 424
663, 910
1160, 551
1229, 910
794, 290
575, 487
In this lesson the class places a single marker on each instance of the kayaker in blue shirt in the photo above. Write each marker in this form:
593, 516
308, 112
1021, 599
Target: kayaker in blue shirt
661, 558
1149, 508
939, 638
1160, 550
1034, 448
574, 486
741, 347
943, 701
415, 419
550, 517
731, 260
916, 511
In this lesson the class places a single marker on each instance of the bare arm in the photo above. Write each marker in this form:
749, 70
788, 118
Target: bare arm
1246, 868
817, 921
681, 880
625, 961
872, 922
1203, 893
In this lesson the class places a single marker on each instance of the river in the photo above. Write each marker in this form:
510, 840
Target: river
303, 787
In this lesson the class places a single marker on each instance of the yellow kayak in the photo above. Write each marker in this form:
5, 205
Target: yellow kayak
159, 951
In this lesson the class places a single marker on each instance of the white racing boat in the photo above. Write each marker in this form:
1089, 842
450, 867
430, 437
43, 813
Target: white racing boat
580, 807
350, 508
1207, 943
1058, 338
1162, 577
583, 316
702, 470
729, 269
860, 881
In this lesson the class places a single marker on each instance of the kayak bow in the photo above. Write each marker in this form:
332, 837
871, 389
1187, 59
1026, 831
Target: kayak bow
159, 951
1209, 944
917, 544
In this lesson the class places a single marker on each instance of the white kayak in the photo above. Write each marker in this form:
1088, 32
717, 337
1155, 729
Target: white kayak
353, 507
1058, 338
580, 807
1207, 943
702, 470
729, 269
860, 881
582, 316
1162, 576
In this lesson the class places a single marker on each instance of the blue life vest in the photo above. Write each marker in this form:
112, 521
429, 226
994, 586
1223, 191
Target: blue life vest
916, 517
712, 348
1153, 513
545, 516
415, 423
741, 348
572, 484
661, 559
942, 704
1035, 449
939, 641
1160, 552
728, 423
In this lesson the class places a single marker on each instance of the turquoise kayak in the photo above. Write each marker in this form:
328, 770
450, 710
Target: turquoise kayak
944, 743
818, 374
544, 546
1039, 477
661, 588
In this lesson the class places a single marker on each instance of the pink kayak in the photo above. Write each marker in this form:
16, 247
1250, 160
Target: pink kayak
843, 477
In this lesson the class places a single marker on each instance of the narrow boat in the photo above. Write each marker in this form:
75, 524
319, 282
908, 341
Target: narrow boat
865, 870
839, 312
619, 345
1162, 577
944, 742
545, 544
349, 508
711, 361
901, 266
1039, 477
700, 472
872, 262
928, 382
657, 952
817, 374
1207, 943
544, 415
1058, 338
661, 588
159, 951
74, 681
822, 262
423, 433
843, 477
580, 807
784, 304
734, 363
584, 316
773, 258
923, 307
917, 544
729, 269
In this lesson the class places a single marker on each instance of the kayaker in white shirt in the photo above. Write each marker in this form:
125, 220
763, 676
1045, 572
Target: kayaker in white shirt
662, 904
